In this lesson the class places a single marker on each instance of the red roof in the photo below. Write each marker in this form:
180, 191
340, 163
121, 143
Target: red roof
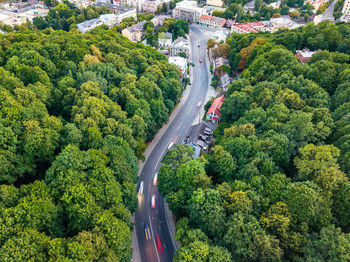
249, 27
206, 17
215, 107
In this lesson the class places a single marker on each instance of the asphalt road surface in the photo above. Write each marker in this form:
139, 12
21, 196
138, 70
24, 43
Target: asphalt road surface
154, 218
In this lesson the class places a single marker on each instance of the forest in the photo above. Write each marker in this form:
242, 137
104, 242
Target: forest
76, 111
275, 186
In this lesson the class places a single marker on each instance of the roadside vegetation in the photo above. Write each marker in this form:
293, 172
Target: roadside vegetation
275, 187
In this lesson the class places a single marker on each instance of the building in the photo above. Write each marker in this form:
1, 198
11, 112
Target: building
244, 28
304, 55
218, 22
151, 6
137, 4
249, 7
218, 3
165, 40
346, 8
225, 80
213, 114
316, 4
180, 45
89, 25
214, 21
275, 5
283, 22
158, 20
346, 12
120, 11
181, 64
135, 32
188, 10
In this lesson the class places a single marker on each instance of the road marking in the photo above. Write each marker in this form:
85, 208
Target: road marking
154, 241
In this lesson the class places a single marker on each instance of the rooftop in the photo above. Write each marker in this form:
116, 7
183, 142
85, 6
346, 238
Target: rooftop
216, 105
180, 62
306, 53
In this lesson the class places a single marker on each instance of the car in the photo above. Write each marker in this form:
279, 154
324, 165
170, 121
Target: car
155, 179
199, 104
171, 145
159, 245
141, 188
153, 201
147, 233
199, 45
200, 60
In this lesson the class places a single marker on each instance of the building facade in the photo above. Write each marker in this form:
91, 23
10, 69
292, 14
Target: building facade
188, 10
180, 45
213, 114
135, 32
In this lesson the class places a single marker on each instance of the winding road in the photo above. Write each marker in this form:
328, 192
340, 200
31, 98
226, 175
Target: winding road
153, 221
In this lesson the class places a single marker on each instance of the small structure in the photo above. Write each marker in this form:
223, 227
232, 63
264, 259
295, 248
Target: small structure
180, 45
135, 32
181, 64
213, 114
304, 55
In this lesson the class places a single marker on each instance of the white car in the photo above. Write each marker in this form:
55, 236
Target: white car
141, 188
153, 201
199, 104
155, 179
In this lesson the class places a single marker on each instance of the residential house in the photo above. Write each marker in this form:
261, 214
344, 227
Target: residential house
205, 20
249, 7
283, 22
180, 45
165, 40
275, 5
201, 135
181, 64
151, 6
89, 25
225, 80
135, 32
218, 62
158, 20
243, 28
229, 23
218, 3
304, 55
188, 10
218, 22
213, 114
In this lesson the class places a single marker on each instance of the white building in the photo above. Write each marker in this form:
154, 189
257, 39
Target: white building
106, 19
180, 45
346, 11
181, 63
189, 11
165, 40
135, 4
218, 3
151, 6
135, 32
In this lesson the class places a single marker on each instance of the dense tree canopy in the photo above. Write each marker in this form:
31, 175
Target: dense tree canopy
277, 177
76, 111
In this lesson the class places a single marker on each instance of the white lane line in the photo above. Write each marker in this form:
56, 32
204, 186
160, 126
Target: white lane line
154, 241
